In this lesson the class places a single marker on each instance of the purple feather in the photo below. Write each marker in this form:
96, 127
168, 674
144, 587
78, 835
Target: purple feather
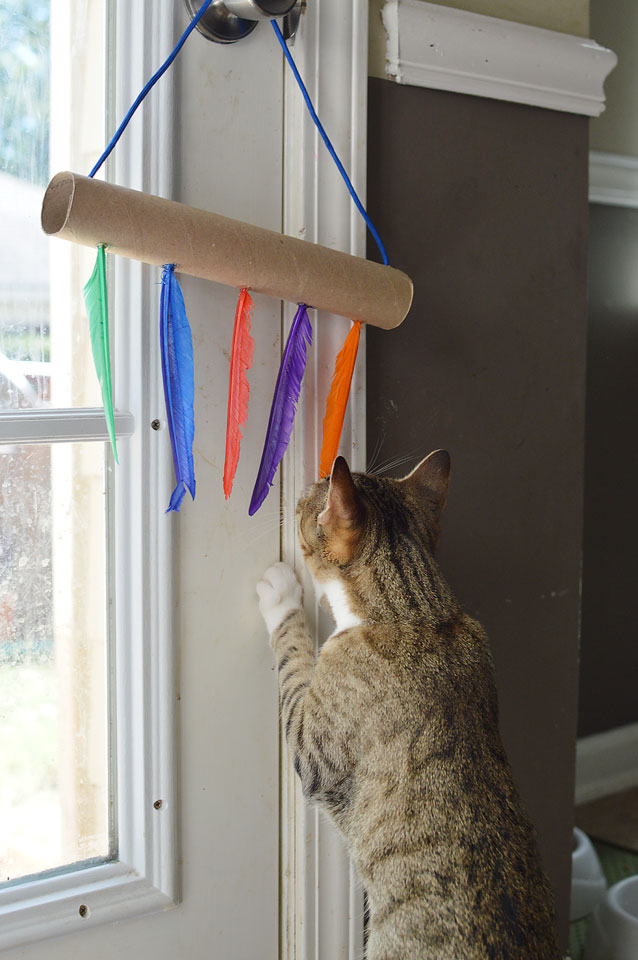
284, 404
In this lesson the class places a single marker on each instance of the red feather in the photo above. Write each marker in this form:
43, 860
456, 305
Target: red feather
338, 400
241, 358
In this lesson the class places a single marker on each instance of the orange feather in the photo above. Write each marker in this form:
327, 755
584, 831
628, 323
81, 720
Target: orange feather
338, 400
241, 358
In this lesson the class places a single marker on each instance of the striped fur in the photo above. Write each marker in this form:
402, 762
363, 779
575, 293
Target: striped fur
393, 729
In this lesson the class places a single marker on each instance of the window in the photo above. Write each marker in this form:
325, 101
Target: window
54, 749
86, 676
54, 770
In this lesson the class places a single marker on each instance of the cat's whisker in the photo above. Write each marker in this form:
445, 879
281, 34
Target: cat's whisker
392, 464
255, 533
272, 524
374, 471
407, 455
397, 463
258, 528
262, 517
376, 452
243, 548
270, 519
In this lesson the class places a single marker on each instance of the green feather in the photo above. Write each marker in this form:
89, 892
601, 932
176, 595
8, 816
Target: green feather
96, 301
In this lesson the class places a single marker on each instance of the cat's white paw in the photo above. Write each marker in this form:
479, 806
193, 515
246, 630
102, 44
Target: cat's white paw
279, 593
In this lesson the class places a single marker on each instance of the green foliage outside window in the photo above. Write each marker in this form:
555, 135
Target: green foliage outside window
24, 89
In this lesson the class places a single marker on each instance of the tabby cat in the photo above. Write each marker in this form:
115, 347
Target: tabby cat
394, 729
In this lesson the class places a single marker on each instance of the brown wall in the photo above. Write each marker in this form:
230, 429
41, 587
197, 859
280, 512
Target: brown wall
614, 24
609, 655
484, 204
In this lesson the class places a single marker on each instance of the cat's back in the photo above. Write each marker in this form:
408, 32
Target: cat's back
437, 829
431, 680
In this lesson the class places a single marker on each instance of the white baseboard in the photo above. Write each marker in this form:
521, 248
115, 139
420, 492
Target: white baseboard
606, 763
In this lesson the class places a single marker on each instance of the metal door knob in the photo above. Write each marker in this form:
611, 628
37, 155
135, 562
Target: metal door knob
259, 9
226, 21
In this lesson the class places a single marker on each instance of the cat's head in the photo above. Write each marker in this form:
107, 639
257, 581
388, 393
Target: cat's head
351, 520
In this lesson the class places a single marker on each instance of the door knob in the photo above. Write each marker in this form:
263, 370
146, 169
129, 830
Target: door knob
259, 9
227, 21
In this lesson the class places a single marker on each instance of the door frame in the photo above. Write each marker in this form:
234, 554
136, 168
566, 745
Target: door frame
322, 902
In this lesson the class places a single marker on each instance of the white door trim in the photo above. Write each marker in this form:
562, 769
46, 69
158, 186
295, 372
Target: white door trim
429, 45
322, 905
143, 566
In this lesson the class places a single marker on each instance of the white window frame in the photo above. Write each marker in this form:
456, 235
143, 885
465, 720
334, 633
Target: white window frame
144, 877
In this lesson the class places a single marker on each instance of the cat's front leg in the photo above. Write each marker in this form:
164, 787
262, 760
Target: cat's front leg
280, 594
307, 730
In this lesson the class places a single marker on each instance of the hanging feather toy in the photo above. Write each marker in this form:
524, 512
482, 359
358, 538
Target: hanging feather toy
282, 412
241, 358
338, 400
96, 302
176, 348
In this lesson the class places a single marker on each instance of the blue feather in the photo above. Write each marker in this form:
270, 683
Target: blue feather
282, 413
176, 347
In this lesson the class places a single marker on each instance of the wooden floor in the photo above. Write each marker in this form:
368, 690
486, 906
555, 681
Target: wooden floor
612, 819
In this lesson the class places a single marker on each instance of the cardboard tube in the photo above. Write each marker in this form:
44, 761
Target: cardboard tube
204, 244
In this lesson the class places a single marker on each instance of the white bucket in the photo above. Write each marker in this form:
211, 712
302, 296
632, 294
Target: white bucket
613, 928
588, 880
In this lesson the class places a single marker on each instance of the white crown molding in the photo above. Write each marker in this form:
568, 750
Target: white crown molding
613, 179
429, 45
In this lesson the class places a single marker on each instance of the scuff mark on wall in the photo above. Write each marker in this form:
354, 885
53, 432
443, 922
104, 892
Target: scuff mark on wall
390, 20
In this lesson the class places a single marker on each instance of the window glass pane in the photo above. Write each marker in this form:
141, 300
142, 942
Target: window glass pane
52, 102
54, 769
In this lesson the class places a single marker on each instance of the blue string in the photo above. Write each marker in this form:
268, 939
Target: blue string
326, 140
331, 150
151, 83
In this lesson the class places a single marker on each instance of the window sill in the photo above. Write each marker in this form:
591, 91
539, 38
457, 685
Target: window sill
39, 909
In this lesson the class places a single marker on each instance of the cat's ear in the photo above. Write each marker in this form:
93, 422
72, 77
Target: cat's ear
430, 479
343, 517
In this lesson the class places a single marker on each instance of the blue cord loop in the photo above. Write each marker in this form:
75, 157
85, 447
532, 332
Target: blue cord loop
151, 83
324, 136
326, 140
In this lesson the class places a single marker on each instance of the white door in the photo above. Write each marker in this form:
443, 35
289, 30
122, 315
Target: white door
259, 876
